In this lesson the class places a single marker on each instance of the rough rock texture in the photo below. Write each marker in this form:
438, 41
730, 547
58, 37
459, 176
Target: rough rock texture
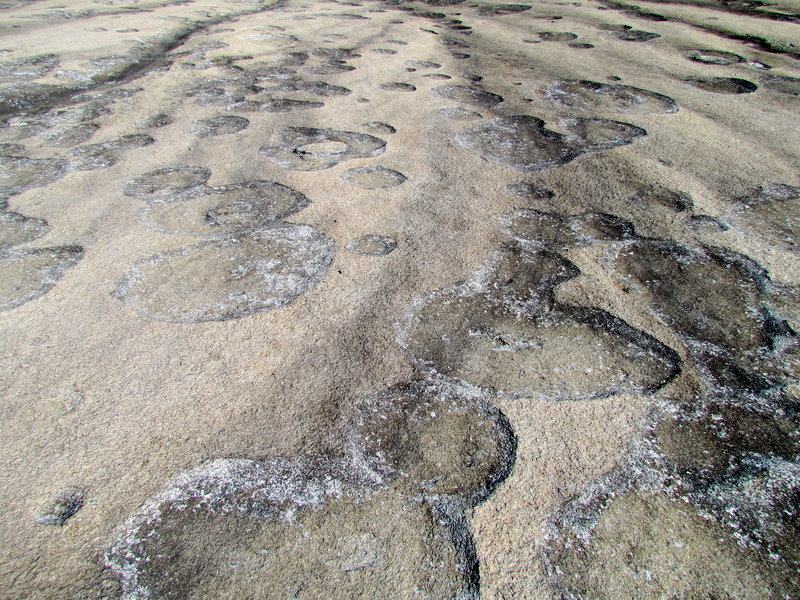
387, 299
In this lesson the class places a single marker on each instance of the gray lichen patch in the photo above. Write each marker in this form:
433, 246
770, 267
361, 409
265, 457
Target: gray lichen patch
62, 508
609, 97
222, 125
468, 95
310, 149
228, 278
19, 173
223, 210
162, 184
523, 143
649, 545
285, 528
372, 245
18, 229
66, 137
434, 439
503, 331
26, 274
106, 154
704, 503
373, 178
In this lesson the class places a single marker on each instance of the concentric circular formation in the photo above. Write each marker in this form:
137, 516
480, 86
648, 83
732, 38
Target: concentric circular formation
373, 178
608, 97
434, 441
309, 149
714, 57
372, 245
26, 274
162, 184
287, 528
228, 278
505, 333
223, 210
523, 143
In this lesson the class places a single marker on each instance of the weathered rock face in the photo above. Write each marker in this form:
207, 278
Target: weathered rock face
370, 300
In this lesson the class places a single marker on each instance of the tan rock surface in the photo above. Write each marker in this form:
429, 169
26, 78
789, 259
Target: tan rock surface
379, 299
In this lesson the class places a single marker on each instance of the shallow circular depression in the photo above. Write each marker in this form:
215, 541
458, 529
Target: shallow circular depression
228, 278
224, 210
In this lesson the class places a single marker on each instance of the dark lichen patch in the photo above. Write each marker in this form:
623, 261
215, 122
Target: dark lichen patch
772, 213
315, 88
19, 173
498, 10
223, 210
19, 229
222, 125
523, 143
379, 127
559, 233
529, 191
31, 67
723, 85
395, 86
459, 114
384, 51
63, 507
714, 57
436, 76
783, 84
705, 224
468, 95
336, 53
239, 528
330, 68
703, 443
581, 45
433, 439
663, 200
556, 36
25, 96
710, 295
504, 332
372, 245
66, 137
373, 178
106, 154
609, 97
26, 274
422, 64
163, 184
636, 35
230, 277
309, 149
